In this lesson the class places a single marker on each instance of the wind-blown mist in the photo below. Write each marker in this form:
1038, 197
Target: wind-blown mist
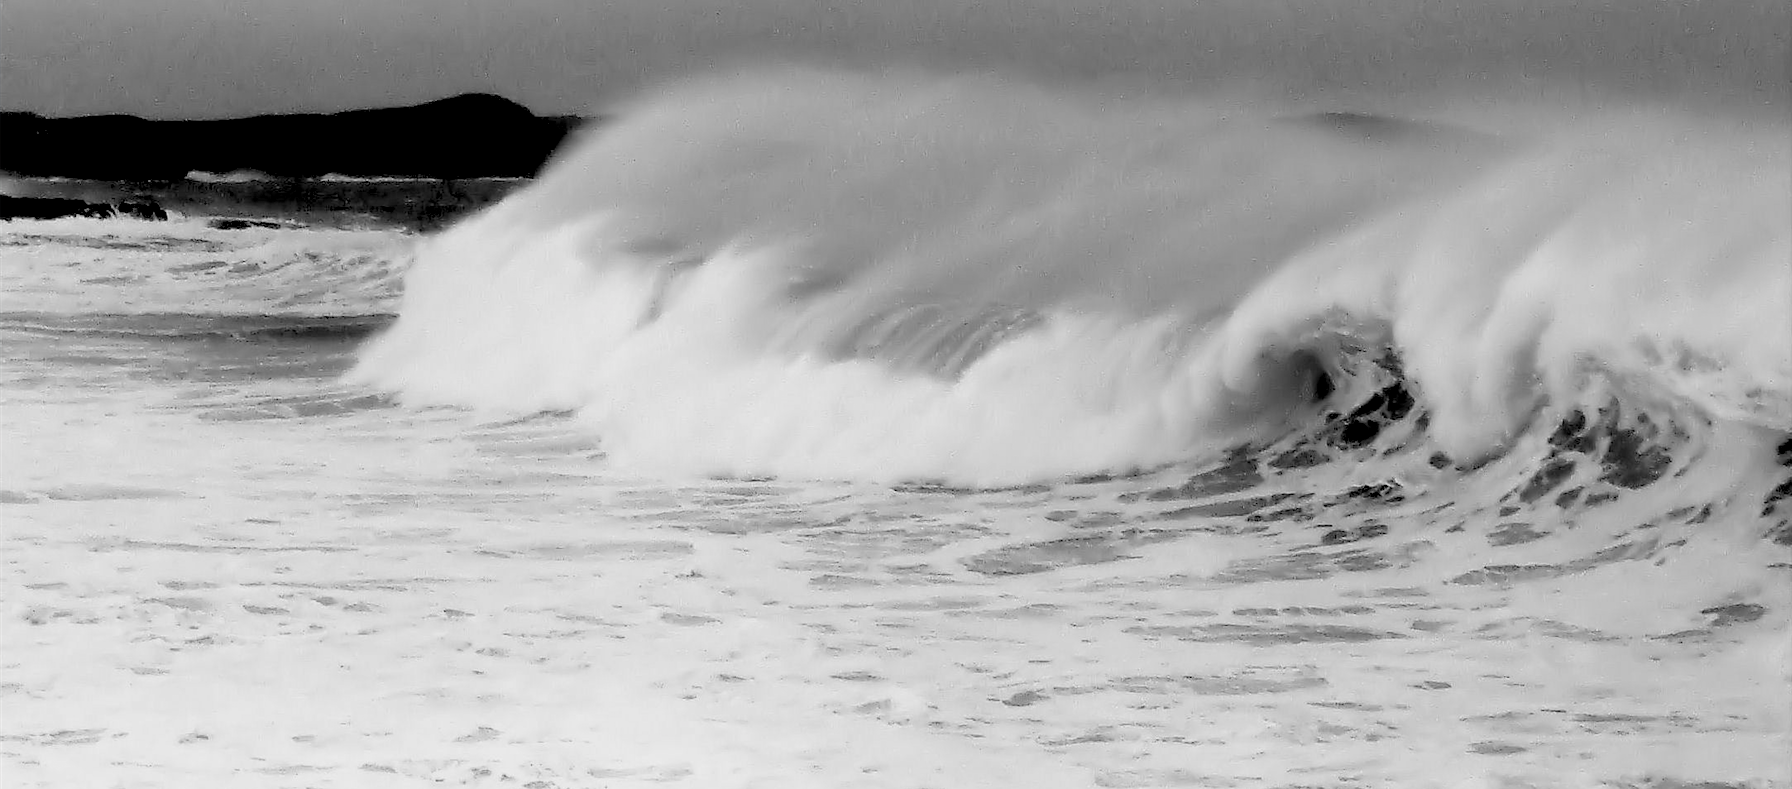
820, 273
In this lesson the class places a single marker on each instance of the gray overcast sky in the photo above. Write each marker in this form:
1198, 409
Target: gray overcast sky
214, 58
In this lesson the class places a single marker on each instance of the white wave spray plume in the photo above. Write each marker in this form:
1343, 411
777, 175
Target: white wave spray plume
896, 276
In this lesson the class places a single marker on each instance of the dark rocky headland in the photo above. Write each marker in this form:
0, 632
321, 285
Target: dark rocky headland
434, 162
469, 136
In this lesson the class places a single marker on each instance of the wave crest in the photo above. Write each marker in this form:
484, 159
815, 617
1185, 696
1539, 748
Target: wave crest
876, 276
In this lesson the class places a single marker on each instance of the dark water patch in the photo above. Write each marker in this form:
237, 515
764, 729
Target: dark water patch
739, 524
1246, 683
369, 585
1226, 509
104, 492
62, 737
1513, 533
1025, 698
1097, 736
1554, 472
938, 488
1239, 473
1780, 533
624, 549
1571, 434
1562, 630
113, 243
1631, 722
839, 581
1622, 552
857, 676
1676, 783
297, 408
1631, 452
197, 267
942, 603
186, 547
183, 326
1503, 574
1303, 565
1119, 475
278, 329
1365, 423
1630, 461
32, 239
1266, 635
1625, 453
1770, 506
1095, 520
1735, 614
115, 279
1496, 748
1500, 574
1299, 514
1363, 532
246, 224
1389, 592
466, 497
1299, 458
1692, 515
1013, 613
1370, 127
761, 490
180, 603
1353, 706
144, 243
1383, 492
1306, 610
1067, 552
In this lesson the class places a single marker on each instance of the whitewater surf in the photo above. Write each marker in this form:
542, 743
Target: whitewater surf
806, 427
825, 275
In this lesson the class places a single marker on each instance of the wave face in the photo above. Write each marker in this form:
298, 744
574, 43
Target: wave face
986, 282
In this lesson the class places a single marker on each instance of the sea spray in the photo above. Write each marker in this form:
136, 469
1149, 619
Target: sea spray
820, 274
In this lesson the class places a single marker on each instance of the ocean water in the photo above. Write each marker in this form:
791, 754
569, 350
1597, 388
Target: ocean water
802, 428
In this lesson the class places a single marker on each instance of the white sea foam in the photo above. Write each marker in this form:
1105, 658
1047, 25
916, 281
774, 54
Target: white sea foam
866, 278
701, 277
118, 266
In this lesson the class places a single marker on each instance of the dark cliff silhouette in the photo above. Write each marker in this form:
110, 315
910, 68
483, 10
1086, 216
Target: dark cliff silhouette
469, 136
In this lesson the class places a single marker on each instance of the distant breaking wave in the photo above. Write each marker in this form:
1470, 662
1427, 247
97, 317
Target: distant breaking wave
338, 178
232, 177
987, 282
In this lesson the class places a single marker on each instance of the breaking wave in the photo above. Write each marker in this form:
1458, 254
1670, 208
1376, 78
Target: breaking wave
986, 282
